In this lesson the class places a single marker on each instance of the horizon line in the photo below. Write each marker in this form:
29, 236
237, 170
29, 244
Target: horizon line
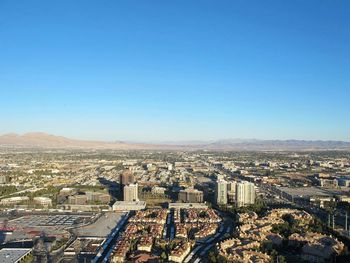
179, 141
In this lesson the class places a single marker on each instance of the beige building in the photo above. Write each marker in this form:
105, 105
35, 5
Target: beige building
131, 192
44, 201
14, 200
221, 192
191, 196
245, 194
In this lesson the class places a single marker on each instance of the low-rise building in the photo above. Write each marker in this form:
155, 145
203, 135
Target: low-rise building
14, 255
128, 206
145, 243
14, 200
158, 190
191, 195
78, 200
43, 201
179, 253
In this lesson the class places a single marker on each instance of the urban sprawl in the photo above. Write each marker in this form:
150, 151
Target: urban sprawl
174, 206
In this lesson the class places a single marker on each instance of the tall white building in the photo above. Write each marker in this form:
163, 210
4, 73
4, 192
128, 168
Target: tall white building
221, 192
131, 192
231, 186
245, 193
231, 192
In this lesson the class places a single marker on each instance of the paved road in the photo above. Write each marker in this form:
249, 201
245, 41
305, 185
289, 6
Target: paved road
200, 251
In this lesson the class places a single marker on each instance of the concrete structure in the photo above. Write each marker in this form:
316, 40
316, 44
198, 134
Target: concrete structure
321, 200
221, 192
44, 201
191, 196
98, 197
14, 255
332, 183
14, 200
245, 194
127, 177
187, 205
128, 206
158, 190
78, 200
131, 192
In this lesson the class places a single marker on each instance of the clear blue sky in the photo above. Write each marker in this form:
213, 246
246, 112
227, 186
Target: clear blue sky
176, 70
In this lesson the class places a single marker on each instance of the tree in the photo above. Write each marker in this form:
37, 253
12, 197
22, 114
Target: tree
212, 257
163, 256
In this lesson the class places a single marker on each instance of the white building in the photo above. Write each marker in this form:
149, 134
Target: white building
221, 192
245, 194
14, 200
158, 190
128, 206
44, 201
131, 192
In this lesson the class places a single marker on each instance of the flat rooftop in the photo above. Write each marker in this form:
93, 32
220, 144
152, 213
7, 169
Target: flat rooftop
12, 255
312, 191
187, 205
130, 203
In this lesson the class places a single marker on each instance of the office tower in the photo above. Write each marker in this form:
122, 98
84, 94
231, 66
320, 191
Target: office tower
191, 196
127, 177
245, 194
221, 192
131, 192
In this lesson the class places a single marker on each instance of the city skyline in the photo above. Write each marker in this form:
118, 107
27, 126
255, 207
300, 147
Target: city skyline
162, 71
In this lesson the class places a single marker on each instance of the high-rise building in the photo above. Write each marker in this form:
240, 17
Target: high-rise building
245, 193
191, 196
231, 186
221, 192
127, 177
131, 192
231, 192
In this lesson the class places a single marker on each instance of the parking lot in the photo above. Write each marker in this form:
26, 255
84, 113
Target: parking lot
102, 227
49, 220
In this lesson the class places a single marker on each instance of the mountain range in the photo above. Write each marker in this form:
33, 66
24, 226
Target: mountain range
44, 140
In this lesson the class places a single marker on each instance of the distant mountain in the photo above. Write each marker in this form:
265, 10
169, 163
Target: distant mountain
43, 140
254, 144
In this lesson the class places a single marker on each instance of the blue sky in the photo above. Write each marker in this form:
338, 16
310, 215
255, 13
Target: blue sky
176, 70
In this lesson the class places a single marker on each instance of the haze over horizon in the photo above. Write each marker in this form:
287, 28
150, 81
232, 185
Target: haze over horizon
176, 71
39, 134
